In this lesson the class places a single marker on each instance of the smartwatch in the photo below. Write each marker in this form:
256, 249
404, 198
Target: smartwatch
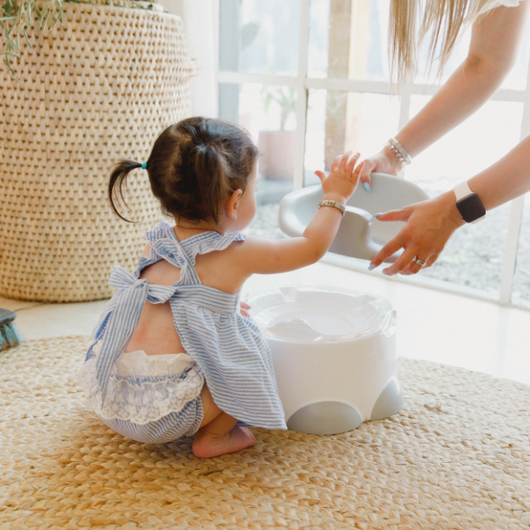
469, 204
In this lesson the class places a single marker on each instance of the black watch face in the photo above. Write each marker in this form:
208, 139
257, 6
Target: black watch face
471, 208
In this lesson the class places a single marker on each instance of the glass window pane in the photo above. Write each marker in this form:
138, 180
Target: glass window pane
347, 39
474, 255
521, 281
268, 113
481, 140
259, 37
339, 121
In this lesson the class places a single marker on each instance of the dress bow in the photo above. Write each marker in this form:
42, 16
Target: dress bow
131, 297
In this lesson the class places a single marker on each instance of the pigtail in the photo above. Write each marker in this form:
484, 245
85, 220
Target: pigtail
210, 171
116, 183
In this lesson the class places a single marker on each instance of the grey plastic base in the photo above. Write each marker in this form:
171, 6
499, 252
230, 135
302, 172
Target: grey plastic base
389, 402
326, 417
334, 417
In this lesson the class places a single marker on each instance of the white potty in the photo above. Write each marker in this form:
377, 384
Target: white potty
334, 355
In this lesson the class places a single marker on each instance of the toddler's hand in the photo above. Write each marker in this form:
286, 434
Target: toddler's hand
244, 309
343, 177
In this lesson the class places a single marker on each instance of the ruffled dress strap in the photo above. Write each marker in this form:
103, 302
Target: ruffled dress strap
165, 245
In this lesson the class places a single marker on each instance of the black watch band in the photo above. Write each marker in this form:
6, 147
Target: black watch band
469, 204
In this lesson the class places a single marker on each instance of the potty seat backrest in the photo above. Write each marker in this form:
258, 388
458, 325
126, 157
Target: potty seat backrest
360, 234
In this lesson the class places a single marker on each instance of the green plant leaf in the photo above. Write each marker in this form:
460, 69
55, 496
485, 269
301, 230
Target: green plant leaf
249, 32
267, 101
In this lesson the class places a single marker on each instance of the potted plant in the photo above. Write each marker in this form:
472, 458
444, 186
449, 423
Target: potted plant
278, 147
84, 84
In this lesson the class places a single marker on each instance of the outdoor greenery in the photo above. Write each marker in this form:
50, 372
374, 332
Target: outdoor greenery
17, 18
284, 96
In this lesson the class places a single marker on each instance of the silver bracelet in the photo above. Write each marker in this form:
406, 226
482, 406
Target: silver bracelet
399, 151
333, 204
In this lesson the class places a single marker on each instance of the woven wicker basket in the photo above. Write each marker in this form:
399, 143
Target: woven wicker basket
99, 87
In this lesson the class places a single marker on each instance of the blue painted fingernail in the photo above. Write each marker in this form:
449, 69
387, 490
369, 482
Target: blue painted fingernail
378, 215
371, 267
366, 186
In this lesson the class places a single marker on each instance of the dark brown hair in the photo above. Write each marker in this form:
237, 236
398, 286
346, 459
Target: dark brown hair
193, 167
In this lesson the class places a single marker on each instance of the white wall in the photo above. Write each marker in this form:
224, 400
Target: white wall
200, 19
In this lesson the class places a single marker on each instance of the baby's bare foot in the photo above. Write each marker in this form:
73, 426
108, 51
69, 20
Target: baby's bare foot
208, 445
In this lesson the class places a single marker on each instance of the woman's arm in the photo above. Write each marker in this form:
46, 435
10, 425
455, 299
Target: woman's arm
268, 256
430, 224
495, 41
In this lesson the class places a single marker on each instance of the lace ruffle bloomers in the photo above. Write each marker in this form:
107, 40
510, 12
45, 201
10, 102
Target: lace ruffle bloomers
143, 388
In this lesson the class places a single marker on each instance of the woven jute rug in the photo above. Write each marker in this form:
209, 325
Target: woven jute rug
456, 457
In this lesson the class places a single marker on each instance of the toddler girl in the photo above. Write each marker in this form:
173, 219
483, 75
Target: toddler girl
172, 354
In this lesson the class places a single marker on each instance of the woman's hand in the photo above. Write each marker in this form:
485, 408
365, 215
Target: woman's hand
383, 162
429, 225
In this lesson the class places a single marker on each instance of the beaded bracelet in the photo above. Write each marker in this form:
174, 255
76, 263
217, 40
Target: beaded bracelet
399, 151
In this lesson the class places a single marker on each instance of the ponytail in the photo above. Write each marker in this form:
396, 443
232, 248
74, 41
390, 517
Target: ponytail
209, 169
117, 180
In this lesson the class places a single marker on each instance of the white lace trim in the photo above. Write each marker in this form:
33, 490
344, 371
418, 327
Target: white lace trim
140, 399
139, 364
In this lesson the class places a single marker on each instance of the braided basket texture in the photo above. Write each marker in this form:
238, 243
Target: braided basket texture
96, 88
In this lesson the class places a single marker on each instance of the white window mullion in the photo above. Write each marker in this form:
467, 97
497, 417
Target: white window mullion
301, 97
404, 111
516, 216
240, 78
510, 255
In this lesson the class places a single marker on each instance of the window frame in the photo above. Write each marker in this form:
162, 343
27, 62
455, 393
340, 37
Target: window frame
303, 84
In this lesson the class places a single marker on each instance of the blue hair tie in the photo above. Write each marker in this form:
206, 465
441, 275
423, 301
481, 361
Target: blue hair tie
144, 165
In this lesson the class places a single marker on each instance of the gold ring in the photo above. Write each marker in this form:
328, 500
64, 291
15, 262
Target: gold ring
419, 261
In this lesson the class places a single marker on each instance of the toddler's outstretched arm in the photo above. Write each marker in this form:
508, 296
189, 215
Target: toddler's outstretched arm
267, 256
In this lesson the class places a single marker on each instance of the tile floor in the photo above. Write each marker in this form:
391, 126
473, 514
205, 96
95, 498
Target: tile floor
432, 325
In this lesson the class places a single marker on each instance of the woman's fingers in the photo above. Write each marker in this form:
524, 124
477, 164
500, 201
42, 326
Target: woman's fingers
429, 225
414, 266
390, 248
394, 215
367, 169
431, 259
402, 263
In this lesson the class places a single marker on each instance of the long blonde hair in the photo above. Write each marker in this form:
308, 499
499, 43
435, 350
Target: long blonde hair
411, 20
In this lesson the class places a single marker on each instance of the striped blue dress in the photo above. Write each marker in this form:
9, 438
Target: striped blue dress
229, 350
